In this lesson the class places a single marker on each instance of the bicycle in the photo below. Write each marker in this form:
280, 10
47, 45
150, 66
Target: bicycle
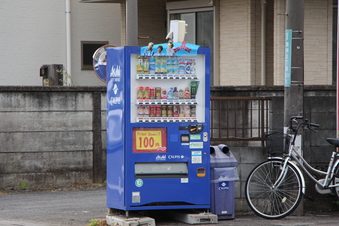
275, 187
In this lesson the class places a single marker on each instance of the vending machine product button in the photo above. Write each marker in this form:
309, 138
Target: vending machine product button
201, 172
185, 138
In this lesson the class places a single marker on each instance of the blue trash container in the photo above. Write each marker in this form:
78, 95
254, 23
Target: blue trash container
223, 174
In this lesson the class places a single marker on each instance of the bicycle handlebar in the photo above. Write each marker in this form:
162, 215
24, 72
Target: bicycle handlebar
314, 125
299, 124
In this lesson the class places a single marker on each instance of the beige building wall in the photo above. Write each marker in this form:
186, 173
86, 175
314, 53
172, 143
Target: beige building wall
279, 42
240, 42
318, 42
236, 45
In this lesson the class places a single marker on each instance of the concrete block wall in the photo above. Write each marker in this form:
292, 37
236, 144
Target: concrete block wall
47, 136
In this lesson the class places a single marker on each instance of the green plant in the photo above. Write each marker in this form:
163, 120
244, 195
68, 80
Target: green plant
94, 222
22, 185
68, 77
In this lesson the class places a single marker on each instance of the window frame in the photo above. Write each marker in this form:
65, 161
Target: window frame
83, 43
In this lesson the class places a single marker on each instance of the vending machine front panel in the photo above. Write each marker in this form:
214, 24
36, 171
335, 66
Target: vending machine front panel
159, 157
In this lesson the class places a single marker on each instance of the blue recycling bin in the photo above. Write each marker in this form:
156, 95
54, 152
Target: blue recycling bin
223, 174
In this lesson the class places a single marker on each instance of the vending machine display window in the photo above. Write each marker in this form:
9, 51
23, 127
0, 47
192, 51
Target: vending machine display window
173, 91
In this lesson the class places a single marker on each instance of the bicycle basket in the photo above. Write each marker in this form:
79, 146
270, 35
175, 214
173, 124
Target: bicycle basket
277, 143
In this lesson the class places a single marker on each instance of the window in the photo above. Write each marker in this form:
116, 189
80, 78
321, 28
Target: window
87, 50
199, 30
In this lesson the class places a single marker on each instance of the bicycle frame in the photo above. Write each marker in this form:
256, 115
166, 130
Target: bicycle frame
307, 168
293, 157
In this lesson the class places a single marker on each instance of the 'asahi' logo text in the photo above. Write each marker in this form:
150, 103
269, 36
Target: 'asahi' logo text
115, 71
160, 158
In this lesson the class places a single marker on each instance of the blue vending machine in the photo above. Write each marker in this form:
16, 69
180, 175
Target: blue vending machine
158, 141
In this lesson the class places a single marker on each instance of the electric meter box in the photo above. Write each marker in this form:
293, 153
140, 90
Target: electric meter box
178, 29
52, 75
158, 140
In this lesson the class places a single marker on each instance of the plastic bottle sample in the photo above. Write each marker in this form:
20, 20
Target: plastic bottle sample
175, 94
170, 94
193, 69
181, 94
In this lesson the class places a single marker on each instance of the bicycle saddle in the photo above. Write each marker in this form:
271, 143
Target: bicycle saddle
333, 141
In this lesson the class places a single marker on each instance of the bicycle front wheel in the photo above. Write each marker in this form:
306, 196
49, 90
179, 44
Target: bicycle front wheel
273, 202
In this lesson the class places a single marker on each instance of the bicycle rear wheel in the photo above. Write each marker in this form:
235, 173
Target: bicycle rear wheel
335, 180
269, 202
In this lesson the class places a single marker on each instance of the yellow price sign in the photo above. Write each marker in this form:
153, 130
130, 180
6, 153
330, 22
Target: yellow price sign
148, 140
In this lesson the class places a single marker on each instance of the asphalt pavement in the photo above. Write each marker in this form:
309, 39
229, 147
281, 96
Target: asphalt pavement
61, 208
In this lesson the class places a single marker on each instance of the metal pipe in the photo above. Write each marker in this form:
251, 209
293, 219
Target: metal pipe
263, 42
68, 43
132, 22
